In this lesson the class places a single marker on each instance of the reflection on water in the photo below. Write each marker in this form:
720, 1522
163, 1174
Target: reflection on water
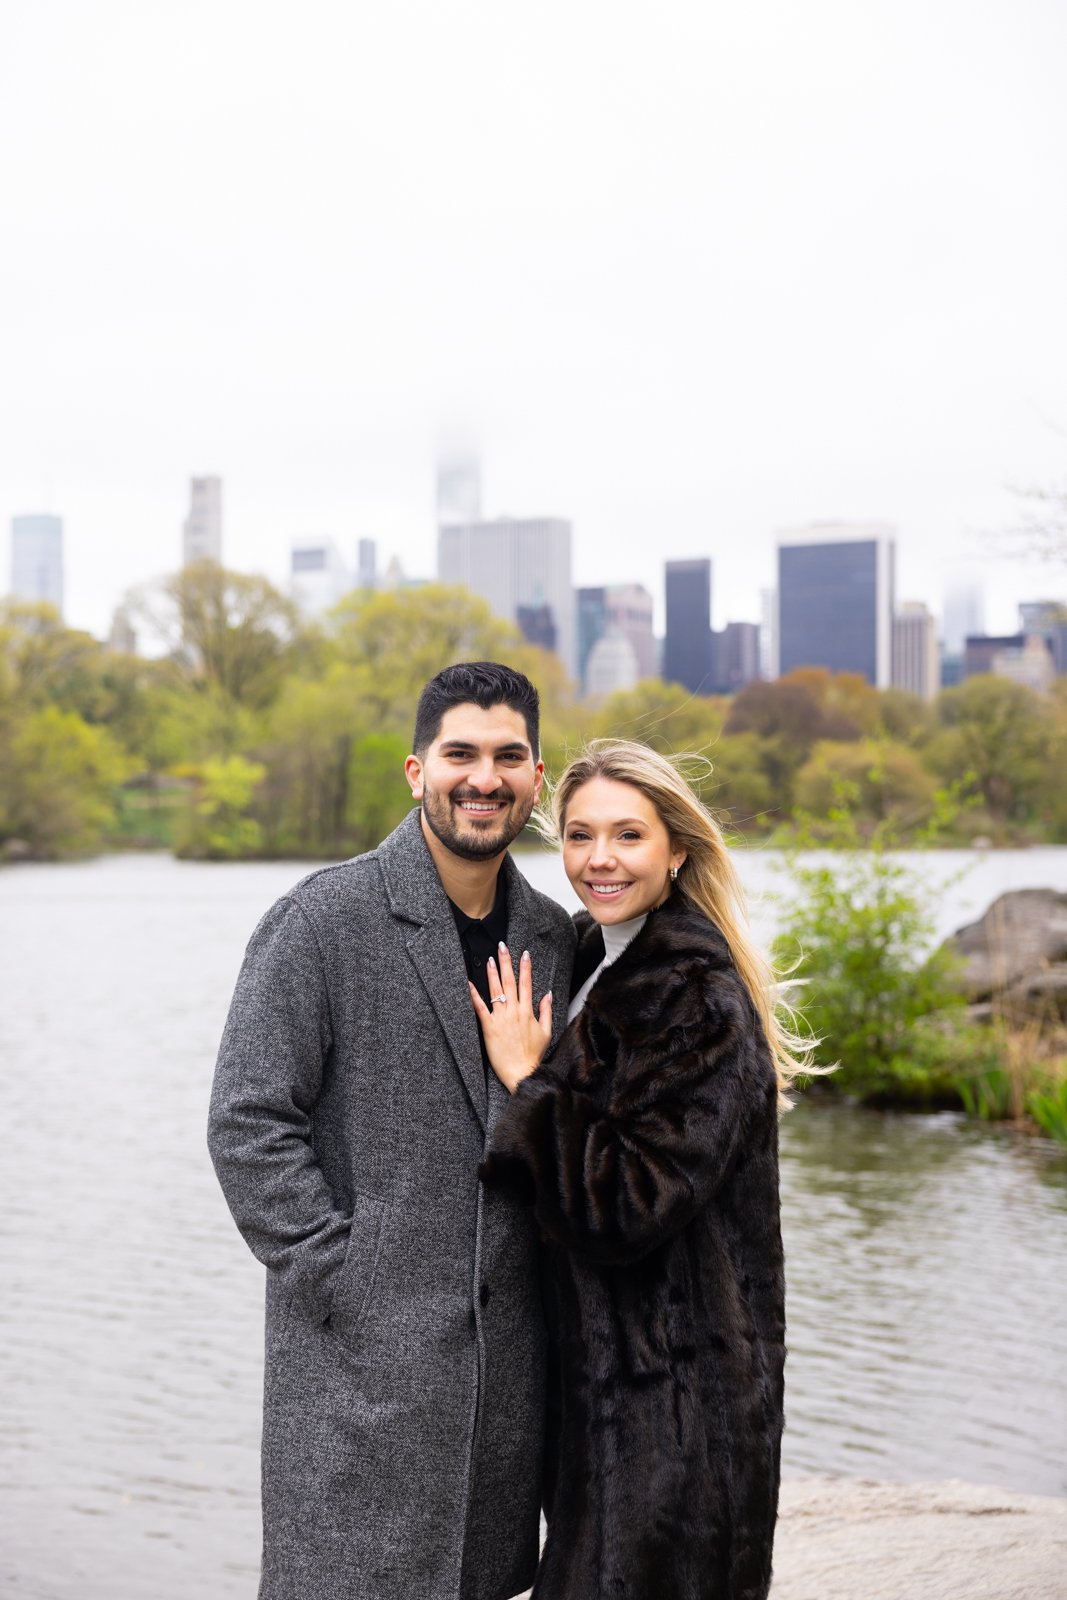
926, 1259
927, 1264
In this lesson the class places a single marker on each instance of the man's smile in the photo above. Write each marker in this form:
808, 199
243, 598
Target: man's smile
482, 808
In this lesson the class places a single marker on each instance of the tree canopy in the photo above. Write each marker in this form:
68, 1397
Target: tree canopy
254, 731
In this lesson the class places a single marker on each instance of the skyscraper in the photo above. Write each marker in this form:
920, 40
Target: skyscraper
735, 656
687, 645
202, 530
835, 599
768, 634
318, 575
916, 658
1048, 618
367, 564
513, 562
619, 609
591, 617
963, 613
612, 665
37, 558
537, 624
629, 613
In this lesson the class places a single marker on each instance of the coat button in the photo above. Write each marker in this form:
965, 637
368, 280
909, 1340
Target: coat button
483, 1295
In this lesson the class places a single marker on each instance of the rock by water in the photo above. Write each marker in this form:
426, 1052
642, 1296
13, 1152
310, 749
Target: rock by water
1016, 953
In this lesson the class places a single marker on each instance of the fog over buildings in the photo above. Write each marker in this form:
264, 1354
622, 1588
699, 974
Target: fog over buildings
202, 529
37, 558
760, 266
516, 564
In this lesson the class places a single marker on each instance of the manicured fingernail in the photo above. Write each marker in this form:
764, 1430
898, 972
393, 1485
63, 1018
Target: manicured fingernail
502, 945
548, 994
526, 955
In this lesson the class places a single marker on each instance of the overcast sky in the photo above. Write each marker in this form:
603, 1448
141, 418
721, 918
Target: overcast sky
693, 272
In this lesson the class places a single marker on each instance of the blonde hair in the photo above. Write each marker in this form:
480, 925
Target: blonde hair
707, 877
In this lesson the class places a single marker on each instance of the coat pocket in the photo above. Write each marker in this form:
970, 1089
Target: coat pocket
356, 1284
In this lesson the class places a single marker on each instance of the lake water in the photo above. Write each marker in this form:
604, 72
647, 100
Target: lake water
927, 1258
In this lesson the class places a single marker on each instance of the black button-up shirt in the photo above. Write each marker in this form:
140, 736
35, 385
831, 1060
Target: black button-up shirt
479, 938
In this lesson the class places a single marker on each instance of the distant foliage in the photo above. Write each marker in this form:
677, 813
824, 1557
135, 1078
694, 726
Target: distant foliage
132, 746
58, 778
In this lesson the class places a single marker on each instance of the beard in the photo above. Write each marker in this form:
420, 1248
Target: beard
469, 840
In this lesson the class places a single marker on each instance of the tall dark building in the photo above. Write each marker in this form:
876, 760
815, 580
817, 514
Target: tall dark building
687, 645
979, 650
592, 619
617, 608
835, 599
537, 625
735, 656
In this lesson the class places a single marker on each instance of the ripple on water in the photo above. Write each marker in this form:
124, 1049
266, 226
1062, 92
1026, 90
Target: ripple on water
926, 1259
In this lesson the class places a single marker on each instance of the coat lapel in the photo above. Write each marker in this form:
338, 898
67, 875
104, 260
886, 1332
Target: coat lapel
417, 897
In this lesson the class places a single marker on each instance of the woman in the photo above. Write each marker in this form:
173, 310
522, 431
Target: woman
648, 1146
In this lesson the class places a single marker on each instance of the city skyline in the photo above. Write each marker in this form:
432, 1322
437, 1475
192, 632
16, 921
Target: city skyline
1003, 582
835, 606
961, 607
684, 312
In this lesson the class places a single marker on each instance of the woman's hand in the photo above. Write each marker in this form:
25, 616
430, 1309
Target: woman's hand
515, 1039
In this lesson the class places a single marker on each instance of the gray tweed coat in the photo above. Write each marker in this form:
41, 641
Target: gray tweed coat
404, 1375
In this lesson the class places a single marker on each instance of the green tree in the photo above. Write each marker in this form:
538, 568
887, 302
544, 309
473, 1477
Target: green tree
790, 717
396, 639
1001, 733
42, 661
234, 632
906, 717
1051, 798
58, 781
888, 780
739, 785
379, 797
307, 750
218, 824
664, 716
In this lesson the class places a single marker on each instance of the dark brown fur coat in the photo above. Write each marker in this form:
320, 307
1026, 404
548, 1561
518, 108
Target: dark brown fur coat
648, 1146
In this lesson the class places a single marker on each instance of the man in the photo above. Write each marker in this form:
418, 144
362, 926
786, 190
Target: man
404, 1383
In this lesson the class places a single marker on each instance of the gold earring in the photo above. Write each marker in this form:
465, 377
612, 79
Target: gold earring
674, 873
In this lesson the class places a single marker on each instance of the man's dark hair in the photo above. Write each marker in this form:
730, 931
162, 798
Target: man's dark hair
481, 683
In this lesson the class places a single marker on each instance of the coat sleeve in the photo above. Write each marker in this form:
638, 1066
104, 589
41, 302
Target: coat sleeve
267, 1081
613, 1180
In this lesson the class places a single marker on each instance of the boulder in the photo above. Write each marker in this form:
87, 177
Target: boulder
1022, 935
1041, 994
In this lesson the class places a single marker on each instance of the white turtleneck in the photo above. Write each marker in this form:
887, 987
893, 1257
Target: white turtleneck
617, 935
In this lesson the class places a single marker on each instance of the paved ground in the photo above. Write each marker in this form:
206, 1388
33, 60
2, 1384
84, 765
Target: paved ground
842, 1539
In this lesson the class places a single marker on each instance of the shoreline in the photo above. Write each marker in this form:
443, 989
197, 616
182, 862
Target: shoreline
856, 1539
745, 844
842, 1538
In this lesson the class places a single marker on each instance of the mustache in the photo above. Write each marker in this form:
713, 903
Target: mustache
472, 794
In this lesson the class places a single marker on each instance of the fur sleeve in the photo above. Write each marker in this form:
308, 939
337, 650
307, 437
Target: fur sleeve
614, 1178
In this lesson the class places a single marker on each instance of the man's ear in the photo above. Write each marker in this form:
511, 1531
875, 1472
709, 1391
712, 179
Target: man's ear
539, 778
413, 773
